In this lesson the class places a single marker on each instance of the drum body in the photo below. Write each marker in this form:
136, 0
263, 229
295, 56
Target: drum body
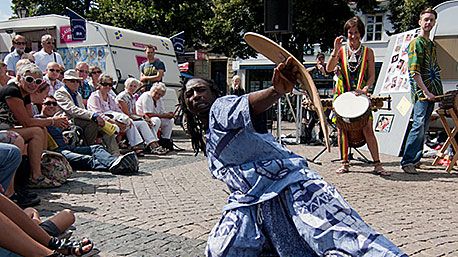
352, 114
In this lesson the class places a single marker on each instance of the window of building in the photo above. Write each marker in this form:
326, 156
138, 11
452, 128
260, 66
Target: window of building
374, 27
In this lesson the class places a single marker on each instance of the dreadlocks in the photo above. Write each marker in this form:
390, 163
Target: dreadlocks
195, 126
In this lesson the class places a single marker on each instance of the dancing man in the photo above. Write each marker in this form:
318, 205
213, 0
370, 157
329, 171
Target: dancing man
276, 201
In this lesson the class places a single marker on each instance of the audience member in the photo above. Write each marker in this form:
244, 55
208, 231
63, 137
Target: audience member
126, 103
4, 77
29, 78
52, 77
103, 103
236, 87
94, 74
47, 53
28, 56
94, 157
21, 235
150, 106
82, 69
153, 69
71, 102
19, 43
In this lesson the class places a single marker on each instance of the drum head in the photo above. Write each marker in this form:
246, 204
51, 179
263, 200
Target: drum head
349, 105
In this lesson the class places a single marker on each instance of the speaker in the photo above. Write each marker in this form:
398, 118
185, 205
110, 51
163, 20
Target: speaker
277, 16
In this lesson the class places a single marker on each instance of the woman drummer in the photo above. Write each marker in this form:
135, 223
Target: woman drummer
357, 75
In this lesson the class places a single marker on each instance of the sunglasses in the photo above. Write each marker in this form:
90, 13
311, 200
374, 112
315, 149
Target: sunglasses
48, 42
50, 103
20, 43
82, 71
96, 72
106, 84
73, 80
54, 70
30, 79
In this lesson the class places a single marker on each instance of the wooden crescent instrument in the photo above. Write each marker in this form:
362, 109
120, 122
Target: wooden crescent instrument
278, 54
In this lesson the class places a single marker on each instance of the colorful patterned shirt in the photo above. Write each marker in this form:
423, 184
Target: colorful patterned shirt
423, 61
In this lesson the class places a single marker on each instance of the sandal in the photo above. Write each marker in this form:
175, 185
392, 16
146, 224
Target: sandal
67, 247
56, 254
158, 150
43, 182
345, 168
379, 170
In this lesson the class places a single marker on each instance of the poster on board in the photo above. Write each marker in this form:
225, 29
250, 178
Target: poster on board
396, 78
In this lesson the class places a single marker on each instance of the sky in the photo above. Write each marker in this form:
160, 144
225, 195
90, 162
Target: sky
5, 10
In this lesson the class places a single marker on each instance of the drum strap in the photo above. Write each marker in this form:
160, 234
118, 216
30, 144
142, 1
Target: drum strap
362, 70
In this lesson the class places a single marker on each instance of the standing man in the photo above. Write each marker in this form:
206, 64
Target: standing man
425, 86
82, 69
19, 43
47, 54
52, 77
153, 69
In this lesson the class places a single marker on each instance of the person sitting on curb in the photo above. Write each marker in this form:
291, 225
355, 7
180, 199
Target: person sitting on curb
94, 157
71, 102
151, 107
23, 236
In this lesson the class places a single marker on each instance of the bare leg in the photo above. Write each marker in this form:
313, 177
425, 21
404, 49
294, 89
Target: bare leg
15, 239
63, 220
35, 139
33, 214
343, 147
368, 132
19, 142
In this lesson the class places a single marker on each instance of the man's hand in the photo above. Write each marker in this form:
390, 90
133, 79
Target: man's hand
285, 76
100, 121
429, 96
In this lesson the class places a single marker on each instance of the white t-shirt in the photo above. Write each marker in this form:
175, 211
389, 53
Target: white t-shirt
145, 104
42, 59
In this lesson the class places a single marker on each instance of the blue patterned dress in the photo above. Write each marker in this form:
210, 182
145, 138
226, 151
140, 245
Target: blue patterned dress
276, 201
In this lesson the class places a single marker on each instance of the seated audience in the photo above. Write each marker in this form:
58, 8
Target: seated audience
4, 77
82, 69
17, 192
15, 109
52, 77
151, 107
126, 103
21, 235
71, 102
93, 157
103, 103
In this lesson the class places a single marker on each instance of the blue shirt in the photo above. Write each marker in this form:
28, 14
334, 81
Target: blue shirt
254, 165
11, 59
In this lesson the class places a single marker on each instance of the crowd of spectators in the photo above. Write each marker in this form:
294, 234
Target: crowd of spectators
74, 112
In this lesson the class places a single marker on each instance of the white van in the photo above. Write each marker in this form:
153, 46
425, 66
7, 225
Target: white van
118, 52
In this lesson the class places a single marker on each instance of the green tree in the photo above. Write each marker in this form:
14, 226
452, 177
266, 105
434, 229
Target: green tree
404, 14
42, 7
314, 21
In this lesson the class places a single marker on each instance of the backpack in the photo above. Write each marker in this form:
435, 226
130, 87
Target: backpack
55, 167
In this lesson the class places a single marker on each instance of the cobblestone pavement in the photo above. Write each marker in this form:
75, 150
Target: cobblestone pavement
170, 207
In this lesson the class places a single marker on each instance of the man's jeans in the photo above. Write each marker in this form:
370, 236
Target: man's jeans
94, 157
9, 161
422, 111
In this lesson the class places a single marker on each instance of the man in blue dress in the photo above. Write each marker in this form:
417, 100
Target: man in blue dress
276, 201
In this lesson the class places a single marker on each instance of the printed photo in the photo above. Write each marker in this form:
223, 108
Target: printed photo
384, 123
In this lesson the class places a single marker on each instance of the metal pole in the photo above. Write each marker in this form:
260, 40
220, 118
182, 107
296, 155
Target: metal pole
279, 120
298, 118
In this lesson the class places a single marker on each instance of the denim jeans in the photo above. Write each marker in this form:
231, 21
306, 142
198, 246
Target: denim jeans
94, 157
9, 161
422, 111
7, 253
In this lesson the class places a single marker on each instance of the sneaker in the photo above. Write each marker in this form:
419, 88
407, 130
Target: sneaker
24, 201
125, 164
43, 182
410, 169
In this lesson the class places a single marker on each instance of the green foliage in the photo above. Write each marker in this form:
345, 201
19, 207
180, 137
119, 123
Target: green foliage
314, 21
405, 13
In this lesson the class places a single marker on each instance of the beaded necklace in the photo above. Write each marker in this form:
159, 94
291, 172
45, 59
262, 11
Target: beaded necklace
353, 58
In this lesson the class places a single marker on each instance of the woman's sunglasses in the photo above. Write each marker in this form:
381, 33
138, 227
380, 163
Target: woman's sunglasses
50, 103
30, 79
106, 84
